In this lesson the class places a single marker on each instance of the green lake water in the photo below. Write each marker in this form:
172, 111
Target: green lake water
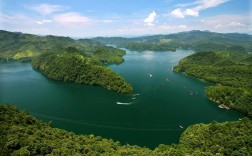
162, 103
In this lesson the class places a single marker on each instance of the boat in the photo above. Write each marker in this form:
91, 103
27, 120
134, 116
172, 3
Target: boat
181, 126
123, 103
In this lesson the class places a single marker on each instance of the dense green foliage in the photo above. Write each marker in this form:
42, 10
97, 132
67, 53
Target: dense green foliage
226, 68
237, 98
75, 67
108, 55
19, 46
233, 69
229, 138
150, 46
196, 40
22, 134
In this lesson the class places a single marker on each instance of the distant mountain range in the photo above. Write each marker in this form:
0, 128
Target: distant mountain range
17, 45
196, 40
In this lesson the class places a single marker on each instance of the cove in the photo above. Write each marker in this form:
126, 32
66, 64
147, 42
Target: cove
162, 103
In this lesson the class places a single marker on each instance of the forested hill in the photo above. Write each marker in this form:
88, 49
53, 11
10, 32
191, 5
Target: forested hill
232, 71
22, 134
196, 40
75, 67
19, 46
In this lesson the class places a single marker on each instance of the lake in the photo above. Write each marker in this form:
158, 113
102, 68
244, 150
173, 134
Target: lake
163, 105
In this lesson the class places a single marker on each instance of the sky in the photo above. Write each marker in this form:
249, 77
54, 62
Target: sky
91, 18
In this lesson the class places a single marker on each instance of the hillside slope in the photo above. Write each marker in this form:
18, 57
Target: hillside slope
76, 67
19, 46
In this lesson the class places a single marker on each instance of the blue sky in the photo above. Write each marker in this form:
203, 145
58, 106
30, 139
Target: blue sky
89, 18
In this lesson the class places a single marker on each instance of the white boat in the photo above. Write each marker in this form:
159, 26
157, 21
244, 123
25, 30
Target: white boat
181, 126
123, 103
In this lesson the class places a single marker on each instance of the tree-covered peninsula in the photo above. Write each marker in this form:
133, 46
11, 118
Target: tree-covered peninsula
66, 59
76, 67
22, 134
230, 71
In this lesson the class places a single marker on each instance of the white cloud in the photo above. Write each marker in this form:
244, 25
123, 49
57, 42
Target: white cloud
191, 12
204, 4
71, 18
23, 23
232, 23
182, 26
178, 13
39, 22
150, 19
157, 29
199, 5
15, 19
107, 21
46, 9
44, 21
173, 28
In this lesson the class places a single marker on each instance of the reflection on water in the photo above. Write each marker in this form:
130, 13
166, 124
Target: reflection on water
148, 55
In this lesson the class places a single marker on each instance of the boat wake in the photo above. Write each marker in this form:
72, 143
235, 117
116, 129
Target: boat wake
123, 103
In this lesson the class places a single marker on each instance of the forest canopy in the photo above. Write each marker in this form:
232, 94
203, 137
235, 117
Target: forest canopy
23, 47
77, 68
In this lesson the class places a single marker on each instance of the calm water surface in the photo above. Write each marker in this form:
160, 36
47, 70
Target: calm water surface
162, 102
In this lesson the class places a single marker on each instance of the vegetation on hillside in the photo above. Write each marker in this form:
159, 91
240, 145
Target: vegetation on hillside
195, 40
78, 68
77, 61
232, 71
19, 46
237, 98
150, 46
22, 134
108, 55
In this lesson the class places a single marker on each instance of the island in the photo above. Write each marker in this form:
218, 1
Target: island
230, 71
75, 67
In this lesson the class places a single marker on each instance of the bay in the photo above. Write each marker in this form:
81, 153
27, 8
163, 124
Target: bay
163, 105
